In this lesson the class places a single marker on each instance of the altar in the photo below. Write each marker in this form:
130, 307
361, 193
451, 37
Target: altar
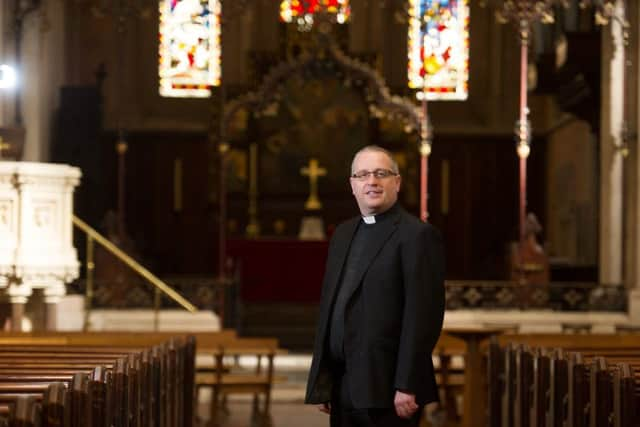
279, 270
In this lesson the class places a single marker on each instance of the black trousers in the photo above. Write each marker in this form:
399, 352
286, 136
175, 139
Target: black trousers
343, 413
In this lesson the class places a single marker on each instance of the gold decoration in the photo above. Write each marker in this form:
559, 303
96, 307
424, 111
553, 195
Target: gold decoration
4, 146
279, 227
425, 149
253, 228
121, 147
313, 171
523, 150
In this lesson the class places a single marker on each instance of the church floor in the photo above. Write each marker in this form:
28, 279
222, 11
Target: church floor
282, 415
287, 408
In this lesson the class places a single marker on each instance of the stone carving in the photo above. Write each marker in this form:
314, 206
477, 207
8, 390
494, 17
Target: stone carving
36, 230
5, 208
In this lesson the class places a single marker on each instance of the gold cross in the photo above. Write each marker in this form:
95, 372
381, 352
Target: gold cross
313, 171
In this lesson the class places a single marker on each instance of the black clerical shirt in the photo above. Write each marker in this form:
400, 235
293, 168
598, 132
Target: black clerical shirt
348, 284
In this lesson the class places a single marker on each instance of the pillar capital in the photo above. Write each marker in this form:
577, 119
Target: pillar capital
53, 294
19, 293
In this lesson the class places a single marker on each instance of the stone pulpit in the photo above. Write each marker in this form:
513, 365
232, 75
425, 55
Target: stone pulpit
36, 234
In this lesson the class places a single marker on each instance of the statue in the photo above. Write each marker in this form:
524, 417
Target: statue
529, 263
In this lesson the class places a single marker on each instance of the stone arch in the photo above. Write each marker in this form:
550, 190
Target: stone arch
326, 59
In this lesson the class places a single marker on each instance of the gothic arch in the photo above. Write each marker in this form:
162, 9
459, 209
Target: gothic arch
327, 59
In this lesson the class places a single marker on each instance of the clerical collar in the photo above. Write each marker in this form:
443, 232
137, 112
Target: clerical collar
372, 219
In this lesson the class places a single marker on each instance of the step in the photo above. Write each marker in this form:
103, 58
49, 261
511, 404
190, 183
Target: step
71, 315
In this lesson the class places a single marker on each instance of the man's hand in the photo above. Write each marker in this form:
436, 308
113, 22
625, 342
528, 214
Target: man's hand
325, 407
405, 404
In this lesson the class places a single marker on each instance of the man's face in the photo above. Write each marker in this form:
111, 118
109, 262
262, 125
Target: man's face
374, 195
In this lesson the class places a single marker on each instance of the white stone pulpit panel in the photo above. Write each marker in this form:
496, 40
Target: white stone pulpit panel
36, 227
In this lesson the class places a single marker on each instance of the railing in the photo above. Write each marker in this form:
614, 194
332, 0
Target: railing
160, 287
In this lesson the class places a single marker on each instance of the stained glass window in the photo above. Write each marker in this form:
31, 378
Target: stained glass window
439, 48
189, 47
302, 11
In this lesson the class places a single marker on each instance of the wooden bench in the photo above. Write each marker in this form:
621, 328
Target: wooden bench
226, 376
597, 386
94, 385
222, 378
450, 378
125, 339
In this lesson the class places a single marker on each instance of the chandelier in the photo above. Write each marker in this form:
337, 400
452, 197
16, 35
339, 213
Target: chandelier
304, 12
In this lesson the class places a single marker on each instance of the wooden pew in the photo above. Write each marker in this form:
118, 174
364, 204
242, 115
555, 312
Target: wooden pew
450, 379
625, 388
55, 405
225, 379
556, 388
600, 393
495, 383
25, 412
541, 393
210, 343
121, 392
121, 339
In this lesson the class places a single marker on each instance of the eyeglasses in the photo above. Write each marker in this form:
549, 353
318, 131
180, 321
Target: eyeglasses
378, 174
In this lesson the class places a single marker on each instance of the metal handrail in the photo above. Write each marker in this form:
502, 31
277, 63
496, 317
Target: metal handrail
160, 286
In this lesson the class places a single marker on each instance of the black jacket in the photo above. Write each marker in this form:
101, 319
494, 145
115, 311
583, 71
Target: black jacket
391, 331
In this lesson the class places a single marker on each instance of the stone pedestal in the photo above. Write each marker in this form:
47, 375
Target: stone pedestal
312, 228
36, 232
634, 307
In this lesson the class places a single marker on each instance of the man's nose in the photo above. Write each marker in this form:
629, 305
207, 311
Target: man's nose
371, 186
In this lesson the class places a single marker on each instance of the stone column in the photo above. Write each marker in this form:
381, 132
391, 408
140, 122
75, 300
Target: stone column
41, 75
7, 56
611, 158
52, 296
18, 296
633, 260
3, 55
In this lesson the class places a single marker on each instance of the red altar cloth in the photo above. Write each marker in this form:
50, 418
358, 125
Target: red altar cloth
275, 270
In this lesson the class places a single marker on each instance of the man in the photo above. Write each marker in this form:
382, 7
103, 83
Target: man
381, 309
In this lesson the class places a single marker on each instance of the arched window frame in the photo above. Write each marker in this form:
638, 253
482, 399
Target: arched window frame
189, 48
438, 48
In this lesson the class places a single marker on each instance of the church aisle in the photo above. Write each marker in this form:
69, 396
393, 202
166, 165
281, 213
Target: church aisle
287, 408
284, 414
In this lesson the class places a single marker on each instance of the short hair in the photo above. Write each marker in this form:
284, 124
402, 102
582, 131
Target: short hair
376, 148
